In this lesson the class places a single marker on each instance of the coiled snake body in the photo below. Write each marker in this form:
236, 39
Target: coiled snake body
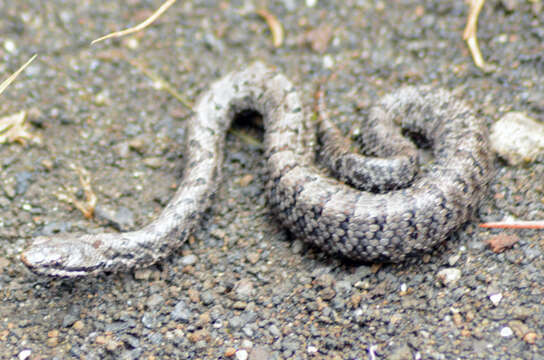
406, 212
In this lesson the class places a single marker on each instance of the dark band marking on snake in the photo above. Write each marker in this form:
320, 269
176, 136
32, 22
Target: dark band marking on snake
409, 211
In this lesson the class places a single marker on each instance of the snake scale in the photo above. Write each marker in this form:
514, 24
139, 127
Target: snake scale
380, 209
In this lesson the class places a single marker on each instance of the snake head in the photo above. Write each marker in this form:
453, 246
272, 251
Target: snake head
65, 256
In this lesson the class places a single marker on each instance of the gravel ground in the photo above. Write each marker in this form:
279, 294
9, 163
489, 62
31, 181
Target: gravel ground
242, 287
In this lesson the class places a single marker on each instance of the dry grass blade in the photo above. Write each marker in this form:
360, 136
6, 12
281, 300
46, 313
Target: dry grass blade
470, 34
140, 26
162, 83
248, 139
275, 26
539, 224
89, 204
12, 77
14, 128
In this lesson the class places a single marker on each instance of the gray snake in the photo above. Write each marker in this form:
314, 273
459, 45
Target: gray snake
406, 212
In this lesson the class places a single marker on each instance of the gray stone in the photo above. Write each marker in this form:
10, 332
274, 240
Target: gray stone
181, 312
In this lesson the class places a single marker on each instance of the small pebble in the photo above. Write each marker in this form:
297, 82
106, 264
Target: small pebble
153, 162
235, 322
204, 319
452, 260
69, 320
274, 331
53, 341
132, 43
518, 138
111, 345
244, 289
297, 246
142, 274
23, 355
253, 257
102, 98
155, 300
530, 338
189, 260
197, 336
449, 276
495, 298
506, 332
230, 352
401, 352
239, 305
207, 298
122, 149
137, 144
149, 320
260, 353
78, 325
246, 180
328, 62
241, 354
181, 312
9, 46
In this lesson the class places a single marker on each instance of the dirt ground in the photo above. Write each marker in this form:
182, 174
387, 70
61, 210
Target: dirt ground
243, 287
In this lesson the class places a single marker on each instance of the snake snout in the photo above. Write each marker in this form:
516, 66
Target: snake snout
65, 256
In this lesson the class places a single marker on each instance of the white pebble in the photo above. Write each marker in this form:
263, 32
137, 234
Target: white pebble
311, 3
328, 62
102, 98
23, 355
26, 16
133, 43
506, 332
311, 349
189, 259
517, 138
218, 324
502, 38
241, 355
9, 46
452, 260
449, 276
495, 298
403, 287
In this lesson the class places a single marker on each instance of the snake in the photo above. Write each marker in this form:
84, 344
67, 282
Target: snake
367, 206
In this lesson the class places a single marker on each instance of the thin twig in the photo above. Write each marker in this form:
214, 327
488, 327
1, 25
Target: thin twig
275, 26
470, 34
140, 26
539, 224
12, 77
